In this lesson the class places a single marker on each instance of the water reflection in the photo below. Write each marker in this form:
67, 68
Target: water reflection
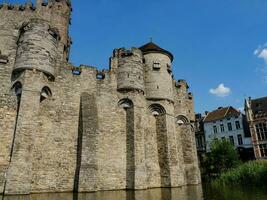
235, 192
184, 193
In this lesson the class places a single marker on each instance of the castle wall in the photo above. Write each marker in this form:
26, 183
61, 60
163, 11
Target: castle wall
92, 131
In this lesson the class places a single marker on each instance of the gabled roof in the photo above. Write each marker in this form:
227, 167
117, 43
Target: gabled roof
221, 113
152, 48
259, 106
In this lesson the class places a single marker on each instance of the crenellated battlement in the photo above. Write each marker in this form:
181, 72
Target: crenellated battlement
17, 7
30, 7
123, 52
182, 84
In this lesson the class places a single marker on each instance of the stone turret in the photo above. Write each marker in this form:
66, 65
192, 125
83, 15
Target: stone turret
58, 12
129, 69
158, 77
37, 47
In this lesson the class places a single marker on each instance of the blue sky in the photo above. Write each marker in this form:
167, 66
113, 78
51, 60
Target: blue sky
219, 45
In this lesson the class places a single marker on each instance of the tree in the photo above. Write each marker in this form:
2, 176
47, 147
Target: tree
223, 156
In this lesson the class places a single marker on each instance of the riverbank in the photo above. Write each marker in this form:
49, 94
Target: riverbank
253, 173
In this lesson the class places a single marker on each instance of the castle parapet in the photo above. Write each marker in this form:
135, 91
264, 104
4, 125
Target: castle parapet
17, 7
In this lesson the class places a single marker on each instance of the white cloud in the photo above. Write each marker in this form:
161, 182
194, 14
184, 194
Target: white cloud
221, 91
241, 109
261, 52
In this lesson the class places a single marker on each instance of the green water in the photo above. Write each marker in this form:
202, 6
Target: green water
184, 193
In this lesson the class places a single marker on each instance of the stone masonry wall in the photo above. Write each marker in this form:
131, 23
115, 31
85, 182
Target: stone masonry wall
70, 132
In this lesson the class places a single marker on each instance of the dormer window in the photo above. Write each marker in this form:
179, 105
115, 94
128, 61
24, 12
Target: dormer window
156, 66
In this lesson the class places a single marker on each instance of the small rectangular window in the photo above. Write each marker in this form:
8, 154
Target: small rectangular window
240, 140
231, 139
229, 126
237, 125
215, 129
156, 65
222, 128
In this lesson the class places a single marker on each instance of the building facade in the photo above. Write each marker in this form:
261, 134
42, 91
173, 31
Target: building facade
229, 124
256, 112
200, 137
67, 128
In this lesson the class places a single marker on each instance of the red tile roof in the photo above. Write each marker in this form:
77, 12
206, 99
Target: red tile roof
221, 113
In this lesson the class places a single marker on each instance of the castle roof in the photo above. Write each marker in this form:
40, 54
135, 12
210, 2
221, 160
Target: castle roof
153, 48
221, 113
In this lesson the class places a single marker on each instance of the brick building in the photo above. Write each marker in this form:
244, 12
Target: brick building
256, 112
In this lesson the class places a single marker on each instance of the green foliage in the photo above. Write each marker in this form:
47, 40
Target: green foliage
250, 173
223, 156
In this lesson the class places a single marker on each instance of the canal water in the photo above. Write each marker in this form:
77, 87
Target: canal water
184, 193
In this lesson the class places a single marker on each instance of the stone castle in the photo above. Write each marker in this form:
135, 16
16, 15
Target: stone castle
65, 128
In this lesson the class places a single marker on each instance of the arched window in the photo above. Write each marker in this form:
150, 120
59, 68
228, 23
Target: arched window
157, 109
45, 93
181, 120
17, 87
125, 103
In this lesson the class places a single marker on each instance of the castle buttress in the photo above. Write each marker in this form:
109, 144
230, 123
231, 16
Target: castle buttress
65, 128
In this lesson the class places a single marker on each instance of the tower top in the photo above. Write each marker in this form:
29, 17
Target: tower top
151, 47
41, 2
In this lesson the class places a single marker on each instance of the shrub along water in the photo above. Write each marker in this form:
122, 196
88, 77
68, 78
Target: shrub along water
222, 157
253, 173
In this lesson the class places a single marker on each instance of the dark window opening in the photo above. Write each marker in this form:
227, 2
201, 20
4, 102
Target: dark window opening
127, 53
261, 130
76, 71
222, 127
229, 126
263, 149
240, 140
237, 125
231, 139
156, 66
215, 129
45, 93
100, 76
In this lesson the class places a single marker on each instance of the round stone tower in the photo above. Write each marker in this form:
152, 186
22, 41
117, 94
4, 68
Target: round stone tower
37, 47
58, 12
130, 69
158, 74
